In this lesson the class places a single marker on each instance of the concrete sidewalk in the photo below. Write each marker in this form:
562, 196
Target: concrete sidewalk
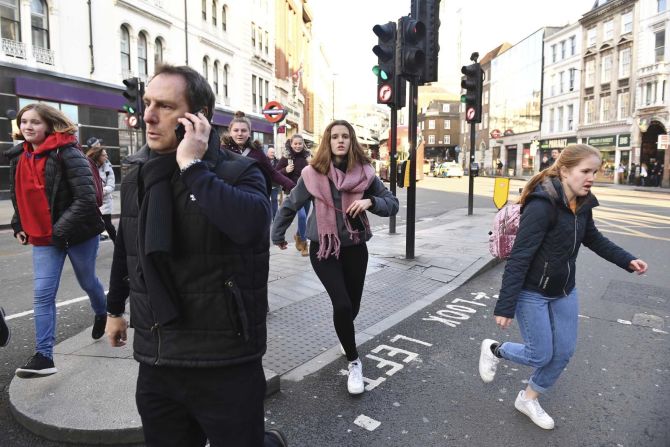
91, 399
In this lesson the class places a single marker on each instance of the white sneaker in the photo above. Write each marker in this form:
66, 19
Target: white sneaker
488, 363
534, 411
355, 383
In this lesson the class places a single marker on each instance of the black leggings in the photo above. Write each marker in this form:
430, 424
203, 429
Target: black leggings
343, 279
107, 218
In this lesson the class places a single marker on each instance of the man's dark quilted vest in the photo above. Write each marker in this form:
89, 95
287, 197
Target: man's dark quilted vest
222, 286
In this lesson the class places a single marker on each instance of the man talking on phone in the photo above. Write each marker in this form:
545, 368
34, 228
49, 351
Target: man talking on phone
192, 254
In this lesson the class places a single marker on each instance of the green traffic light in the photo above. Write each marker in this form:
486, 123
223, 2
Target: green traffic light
463, 99
383, 75
129, 109
376, 70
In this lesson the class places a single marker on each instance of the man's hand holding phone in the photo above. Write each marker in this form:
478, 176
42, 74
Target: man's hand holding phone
196, 136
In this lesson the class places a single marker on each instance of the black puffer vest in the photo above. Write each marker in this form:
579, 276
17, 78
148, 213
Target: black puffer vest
222, 287
68, 184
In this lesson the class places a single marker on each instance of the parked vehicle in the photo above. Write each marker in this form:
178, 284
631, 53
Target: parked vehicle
448, 169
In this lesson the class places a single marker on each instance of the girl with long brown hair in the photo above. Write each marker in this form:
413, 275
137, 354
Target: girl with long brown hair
538, 285
342, 185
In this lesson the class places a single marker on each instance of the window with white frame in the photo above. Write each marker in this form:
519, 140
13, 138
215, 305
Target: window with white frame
10, 25
627, 22
661, 5
224, 17
573, 75
649, 93
588, 111
158, 51
446, 139
562, 49
590, 76
204, 9
605, 108
561, 82
142, 64
553, 53
559, 113
570, 116
431, 124
447, 124
226, 73
623, 105
125, 48
39, 19
553, 84
431, 139
214, 12
659, 46
215, 77
606, 69
608, 30
254, 99
261, 102
591, 37
624, 63
573, 45
205, 67
445, 108
267, 43
253, 35
552, 117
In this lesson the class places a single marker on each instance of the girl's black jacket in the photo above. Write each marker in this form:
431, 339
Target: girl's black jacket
546, 246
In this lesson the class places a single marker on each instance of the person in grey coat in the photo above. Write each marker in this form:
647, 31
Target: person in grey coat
342, 185
99, 155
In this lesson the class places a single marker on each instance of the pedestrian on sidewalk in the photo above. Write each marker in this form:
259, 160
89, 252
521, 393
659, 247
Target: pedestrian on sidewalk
99, 156
192, 253
276, 189
538, 285
342, 184
240, 142
55, 210
291, 166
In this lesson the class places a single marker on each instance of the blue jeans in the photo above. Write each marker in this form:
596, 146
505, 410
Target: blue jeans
549, 329
302, 221
274, 201
47, 268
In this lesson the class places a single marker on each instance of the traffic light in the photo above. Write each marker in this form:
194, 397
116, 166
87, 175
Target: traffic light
385, 68
133, 108
473, 83
411, 44
428, 13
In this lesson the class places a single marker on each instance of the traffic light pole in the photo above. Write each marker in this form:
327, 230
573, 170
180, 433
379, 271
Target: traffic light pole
411, 187
393, 166
471, 178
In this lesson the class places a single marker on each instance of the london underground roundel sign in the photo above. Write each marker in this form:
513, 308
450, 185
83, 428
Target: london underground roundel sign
274, 112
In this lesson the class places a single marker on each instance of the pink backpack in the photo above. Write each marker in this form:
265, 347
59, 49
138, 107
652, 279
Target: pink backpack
505, 227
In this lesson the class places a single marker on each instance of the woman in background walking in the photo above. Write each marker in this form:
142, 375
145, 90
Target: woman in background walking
99, 156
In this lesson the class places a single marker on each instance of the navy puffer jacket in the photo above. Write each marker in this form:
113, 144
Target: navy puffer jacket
545, 250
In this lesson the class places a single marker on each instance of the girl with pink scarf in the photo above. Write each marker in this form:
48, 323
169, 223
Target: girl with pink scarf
342, 185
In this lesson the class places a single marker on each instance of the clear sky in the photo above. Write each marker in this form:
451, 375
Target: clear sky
345, 28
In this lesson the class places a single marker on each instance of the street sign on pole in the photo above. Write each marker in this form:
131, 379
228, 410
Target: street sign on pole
500, 191
274, 112
385, 93
470, 114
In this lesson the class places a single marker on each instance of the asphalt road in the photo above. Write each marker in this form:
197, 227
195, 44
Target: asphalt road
615, 392
638, 220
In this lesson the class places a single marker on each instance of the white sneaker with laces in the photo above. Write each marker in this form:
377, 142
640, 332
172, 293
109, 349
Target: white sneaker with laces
532, 409
355, 383
488, 363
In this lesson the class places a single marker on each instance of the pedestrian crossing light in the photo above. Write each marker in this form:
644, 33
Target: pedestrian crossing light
472, 82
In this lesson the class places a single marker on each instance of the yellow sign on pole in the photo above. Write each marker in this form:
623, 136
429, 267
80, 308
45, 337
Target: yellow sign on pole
500, 191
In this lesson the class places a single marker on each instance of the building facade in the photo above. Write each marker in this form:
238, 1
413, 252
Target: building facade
440, 130
81, 72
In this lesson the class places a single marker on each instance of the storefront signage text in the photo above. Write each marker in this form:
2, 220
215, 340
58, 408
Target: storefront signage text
602, 141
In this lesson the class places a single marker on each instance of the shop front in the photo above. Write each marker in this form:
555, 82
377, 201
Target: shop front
607, 145
546, 146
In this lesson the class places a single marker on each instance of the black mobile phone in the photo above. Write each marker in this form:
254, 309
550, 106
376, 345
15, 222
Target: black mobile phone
180, 131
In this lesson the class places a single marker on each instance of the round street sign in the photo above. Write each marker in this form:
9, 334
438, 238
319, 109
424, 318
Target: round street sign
470, 114
385, 92
132, 121
274, 112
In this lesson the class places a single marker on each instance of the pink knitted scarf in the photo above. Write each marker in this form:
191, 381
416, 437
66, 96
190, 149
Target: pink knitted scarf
351, 185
